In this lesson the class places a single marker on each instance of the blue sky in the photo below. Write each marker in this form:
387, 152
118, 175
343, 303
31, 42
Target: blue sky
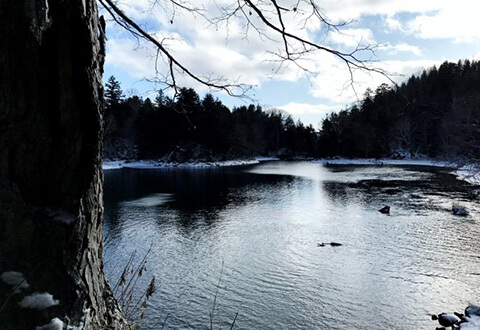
413, 34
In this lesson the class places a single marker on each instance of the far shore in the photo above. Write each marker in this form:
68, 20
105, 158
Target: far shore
469, 173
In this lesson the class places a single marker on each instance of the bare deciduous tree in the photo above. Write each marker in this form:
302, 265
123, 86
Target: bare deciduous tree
281, 22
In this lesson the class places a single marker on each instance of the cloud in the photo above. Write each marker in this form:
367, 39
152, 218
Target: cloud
334, 83
352, 37
354, 9
403, 47
298, 109
225, 50
433, 19
393, 24
458, 21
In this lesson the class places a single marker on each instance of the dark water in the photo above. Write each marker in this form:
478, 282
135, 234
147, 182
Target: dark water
263, 223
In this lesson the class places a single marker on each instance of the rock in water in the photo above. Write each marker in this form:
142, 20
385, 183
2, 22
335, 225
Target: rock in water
385, 210
331, 244
459, 210
446, 320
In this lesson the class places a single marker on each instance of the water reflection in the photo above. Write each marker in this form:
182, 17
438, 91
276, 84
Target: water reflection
263, 224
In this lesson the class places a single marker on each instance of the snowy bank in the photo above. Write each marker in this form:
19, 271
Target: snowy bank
379, 162
153, 164
469, 173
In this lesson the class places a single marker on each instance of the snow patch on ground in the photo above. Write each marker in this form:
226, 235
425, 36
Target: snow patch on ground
153, 164
38, 301
55, 324
15, 279
472, 324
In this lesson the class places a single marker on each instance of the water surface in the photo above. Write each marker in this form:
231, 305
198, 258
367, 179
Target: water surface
257, 227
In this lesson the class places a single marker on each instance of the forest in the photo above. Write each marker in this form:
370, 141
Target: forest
204, 129
433, 114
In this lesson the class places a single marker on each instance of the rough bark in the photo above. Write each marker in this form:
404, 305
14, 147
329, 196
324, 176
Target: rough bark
51, 103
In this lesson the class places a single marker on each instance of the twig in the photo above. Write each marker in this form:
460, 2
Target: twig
215, 298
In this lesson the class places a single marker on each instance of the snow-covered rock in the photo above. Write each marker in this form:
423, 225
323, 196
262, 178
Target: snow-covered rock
15, 279
38, 301
472, 324
55, 324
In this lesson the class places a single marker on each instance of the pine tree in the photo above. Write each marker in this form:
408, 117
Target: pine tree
113, 92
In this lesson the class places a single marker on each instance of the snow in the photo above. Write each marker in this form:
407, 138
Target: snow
266, 158
38, 301
469, 173
55, 324
472, 324
112, 165
153, 164
15, 279
386, 161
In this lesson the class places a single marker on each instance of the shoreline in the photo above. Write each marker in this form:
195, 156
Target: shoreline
469, 173
155, 164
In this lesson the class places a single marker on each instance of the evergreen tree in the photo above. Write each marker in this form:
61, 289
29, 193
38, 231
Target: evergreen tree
113, 93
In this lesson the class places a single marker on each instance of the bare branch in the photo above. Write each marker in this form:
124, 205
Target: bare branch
135, 29
269, 20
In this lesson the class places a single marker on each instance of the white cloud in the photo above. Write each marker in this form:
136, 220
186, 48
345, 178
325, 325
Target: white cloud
205, 49
334, 82
458, 20
354, 9
403, 47
298, 109
352, 37
393, 24
435, 19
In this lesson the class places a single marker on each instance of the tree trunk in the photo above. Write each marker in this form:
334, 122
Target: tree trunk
51, 108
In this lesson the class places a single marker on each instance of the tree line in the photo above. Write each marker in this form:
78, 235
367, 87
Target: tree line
202, 127
435, 113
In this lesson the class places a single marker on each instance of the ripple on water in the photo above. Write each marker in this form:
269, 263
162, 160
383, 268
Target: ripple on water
263, 226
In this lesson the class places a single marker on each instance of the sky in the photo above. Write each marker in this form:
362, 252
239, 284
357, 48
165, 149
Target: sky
410, 35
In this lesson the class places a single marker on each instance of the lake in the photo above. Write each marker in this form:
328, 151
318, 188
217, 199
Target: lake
253, 231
